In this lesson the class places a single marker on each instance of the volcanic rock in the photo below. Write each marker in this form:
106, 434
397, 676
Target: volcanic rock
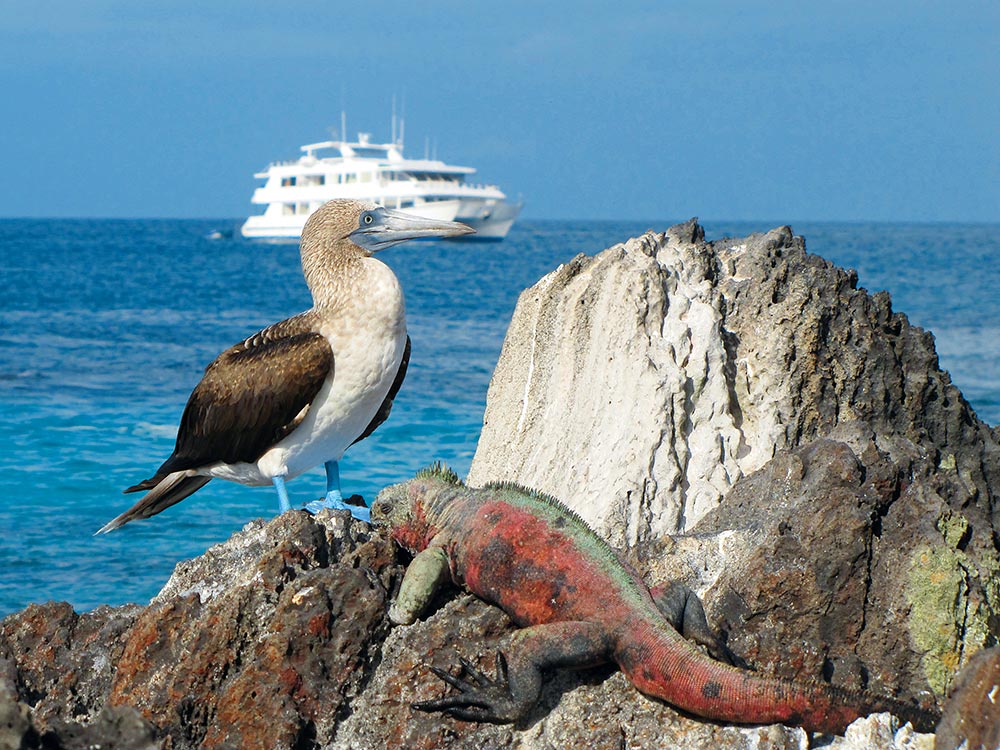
972, 718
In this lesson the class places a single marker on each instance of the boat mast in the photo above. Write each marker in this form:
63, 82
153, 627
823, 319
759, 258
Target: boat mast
402, 123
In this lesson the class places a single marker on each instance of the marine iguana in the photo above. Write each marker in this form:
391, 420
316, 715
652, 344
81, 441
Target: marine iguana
578, 604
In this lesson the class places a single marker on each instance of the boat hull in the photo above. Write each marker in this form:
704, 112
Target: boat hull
494, 225
266, 226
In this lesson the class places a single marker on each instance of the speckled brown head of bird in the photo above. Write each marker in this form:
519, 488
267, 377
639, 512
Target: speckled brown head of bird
369, 227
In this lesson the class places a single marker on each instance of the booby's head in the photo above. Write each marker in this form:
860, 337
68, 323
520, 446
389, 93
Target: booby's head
371, 227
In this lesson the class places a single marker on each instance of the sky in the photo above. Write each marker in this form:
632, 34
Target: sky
723, 109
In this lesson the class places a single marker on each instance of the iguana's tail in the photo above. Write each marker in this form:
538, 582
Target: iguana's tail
662, 664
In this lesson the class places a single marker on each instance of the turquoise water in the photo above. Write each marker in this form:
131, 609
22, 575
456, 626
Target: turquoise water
105, 326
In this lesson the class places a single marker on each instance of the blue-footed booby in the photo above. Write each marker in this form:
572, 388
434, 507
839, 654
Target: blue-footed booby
300, 392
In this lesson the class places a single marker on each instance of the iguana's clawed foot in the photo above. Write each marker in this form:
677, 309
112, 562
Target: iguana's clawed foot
684, 610
480, 698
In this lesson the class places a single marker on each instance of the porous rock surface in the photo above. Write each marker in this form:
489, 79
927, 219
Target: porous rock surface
858, 547
971, 720
279, 639
260, 642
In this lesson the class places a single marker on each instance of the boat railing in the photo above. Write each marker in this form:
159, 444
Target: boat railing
423, 185
449, 184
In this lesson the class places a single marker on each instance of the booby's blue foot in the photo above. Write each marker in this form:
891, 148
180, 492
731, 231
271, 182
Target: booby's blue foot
334, 500
279, 485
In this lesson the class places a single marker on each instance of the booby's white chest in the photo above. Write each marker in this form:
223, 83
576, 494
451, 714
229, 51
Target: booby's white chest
368, 337
367, 333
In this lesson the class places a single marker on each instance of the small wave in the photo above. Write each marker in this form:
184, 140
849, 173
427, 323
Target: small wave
155, 430
20, 375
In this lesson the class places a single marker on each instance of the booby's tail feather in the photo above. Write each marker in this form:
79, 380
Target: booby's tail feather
170, 489
146, 484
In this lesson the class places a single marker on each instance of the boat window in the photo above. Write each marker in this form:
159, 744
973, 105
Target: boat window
406, 204
287, 181
287, 209
301, 208
370, 153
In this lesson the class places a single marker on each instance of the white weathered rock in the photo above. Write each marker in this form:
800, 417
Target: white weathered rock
612, 391
881, 732
610, 365
638, 385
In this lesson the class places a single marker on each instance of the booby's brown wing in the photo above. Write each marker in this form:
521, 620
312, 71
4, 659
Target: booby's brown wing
251, 396
383, 411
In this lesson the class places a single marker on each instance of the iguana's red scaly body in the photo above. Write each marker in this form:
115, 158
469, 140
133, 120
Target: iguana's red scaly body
578, 604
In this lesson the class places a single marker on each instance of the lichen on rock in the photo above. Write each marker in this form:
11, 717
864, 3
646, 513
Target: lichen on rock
951, 610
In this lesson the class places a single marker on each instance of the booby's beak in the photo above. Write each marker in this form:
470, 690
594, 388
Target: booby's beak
380, 228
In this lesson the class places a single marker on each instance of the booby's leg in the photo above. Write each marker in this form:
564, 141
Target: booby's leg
279, 485
333, 493
334, 498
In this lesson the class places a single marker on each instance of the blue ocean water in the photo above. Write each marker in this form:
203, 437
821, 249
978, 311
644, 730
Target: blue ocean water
106, 325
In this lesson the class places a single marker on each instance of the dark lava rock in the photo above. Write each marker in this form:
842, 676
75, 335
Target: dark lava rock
971, 719
261, 642
271, 652
62, 662
827, 578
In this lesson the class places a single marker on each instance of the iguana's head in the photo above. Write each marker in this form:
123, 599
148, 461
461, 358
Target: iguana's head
409, 511
391, 508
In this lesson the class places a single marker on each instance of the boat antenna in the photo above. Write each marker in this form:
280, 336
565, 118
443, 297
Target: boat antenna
427, 148
402, 122
343, 112
393, 120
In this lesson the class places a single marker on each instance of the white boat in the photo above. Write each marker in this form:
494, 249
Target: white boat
362, 170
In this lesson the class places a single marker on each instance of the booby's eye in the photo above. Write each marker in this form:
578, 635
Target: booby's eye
367, 219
